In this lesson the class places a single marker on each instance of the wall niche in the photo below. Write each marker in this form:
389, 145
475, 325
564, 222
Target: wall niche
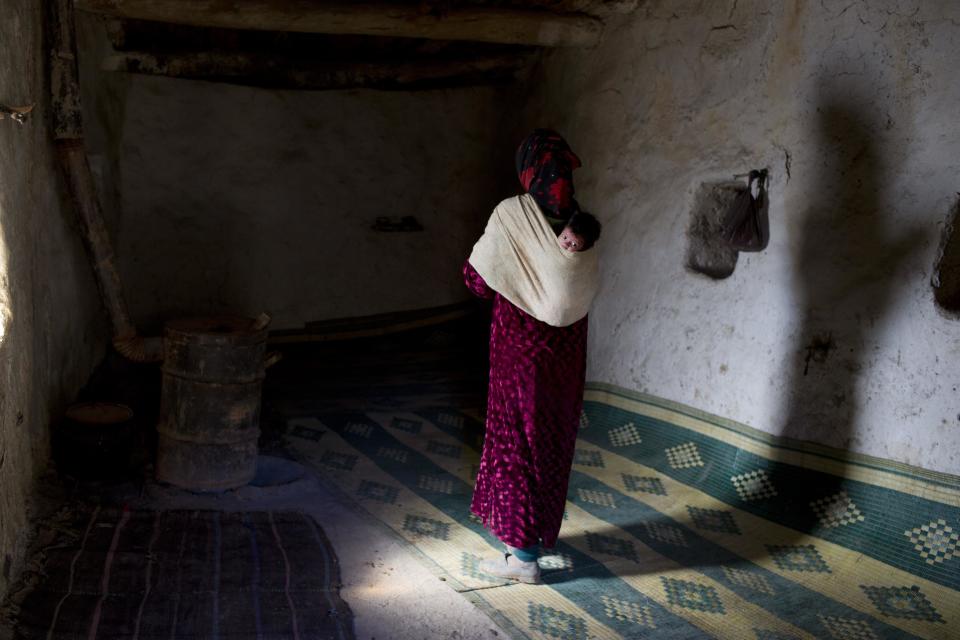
946, 273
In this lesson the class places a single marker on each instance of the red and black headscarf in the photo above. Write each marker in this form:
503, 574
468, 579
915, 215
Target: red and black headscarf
545, 165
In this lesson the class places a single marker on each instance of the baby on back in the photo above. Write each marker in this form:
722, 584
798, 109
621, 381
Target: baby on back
580, 233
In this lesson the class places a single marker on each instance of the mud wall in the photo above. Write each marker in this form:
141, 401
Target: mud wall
832, 333
51, 326
229, 198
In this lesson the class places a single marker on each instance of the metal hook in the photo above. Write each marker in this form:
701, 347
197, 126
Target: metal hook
17, 114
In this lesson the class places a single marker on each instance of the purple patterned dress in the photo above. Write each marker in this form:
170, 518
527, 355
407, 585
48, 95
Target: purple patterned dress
533, 412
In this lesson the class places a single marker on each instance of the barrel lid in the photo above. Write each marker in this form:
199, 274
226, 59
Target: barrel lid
99, 412
224, 328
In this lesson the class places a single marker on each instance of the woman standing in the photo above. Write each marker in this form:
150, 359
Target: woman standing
541, 287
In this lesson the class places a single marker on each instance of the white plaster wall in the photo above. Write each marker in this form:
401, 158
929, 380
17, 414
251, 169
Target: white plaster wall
230, 198
853, 107
53, 329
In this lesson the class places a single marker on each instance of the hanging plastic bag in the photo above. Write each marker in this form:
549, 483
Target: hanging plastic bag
746, 224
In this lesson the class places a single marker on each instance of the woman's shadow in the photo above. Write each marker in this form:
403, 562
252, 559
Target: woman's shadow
848, 254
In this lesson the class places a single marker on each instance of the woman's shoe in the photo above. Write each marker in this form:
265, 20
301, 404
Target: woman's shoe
512, 569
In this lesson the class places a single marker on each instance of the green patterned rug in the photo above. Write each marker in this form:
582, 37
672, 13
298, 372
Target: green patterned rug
678, 525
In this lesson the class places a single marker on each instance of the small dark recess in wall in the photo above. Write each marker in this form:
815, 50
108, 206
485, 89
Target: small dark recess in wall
397, 223
707, 252
946, 273
818, 350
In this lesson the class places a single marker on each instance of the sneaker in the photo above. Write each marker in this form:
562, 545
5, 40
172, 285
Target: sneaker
512, 569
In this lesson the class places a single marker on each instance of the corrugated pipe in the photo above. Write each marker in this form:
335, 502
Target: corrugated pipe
139, 348
71, 152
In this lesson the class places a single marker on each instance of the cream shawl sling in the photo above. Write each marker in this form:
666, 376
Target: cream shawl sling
520, 258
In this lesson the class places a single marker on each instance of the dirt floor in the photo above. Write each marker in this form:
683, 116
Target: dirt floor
286, 556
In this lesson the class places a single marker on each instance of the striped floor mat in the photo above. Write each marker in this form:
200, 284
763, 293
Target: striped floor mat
678, 525
146, 575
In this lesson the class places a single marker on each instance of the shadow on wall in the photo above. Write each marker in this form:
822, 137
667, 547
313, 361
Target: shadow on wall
848, 253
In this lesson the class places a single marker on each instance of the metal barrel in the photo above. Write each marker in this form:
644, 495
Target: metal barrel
213, 371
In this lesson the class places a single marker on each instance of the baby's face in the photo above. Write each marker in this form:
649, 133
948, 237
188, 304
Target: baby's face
570, 241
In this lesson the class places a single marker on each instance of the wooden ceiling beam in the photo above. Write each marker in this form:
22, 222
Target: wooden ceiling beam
601, 8
280, 72
477, 24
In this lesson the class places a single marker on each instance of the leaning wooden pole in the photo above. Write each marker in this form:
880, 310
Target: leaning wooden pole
71, 152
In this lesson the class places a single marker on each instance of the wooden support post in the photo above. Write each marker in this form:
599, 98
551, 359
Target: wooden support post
478, 24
